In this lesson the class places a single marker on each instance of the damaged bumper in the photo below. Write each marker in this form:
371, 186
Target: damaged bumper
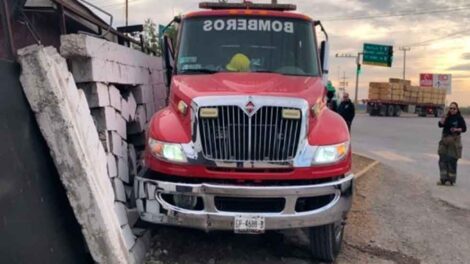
215, 206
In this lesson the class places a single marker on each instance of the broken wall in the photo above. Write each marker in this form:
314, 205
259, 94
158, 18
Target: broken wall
93, 118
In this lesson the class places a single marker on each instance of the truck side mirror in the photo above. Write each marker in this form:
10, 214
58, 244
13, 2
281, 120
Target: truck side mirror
324, 51
168, 54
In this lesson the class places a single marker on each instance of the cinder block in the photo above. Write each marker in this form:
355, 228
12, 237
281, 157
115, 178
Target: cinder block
125, 109
116, 145
105, 118
121, 212
112, 166
152, 206
121, 126
119, 192
132, 158
132, 216
139, 250
123, 170
138, 232
115, 97
142, 93
97, 94
151, 188
140, 205
129, 237
140, 123
132, 105
150, 110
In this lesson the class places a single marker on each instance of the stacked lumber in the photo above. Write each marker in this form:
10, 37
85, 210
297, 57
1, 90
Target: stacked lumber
380, 91
402, 90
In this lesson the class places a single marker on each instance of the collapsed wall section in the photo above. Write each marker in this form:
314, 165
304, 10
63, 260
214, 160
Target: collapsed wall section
99, 112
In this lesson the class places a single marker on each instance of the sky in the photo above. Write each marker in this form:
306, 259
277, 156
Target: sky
437, 31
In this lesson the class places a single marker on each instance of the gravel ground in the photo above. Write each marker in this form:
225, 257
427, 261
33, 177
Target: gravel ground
394, 219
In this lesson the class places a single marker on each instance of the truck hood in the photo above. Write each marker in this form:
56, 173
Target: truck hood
187, 87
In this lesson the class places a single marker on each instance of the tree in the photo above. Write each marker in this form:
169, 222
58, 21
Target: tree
151, 39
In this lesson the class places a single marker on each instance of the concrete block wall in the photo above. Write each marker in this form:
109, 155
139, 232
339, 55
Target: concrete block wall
113, 92
124, 88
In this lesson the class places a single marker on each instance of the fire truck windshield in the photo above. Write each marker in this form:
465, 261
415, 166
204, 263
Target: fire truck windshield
247, 44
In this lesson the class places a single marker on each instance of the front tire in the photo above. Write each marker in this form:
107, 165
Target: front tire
326, 240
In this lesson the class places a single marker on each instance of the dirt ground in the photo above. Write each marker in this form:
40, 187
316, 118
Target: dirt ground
394, 220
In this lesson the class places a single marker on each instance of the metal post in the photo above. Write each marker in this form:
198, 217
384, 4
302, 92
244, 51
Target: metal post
358, 67
127, 13
404, 49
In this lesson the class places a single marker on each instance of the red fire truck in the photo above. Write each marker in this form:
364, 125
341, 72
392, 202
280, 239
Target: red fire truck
247, 143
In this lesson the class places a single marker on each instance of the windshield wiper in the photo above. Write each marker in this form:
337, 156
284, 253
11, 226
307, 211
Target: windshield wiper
208, 71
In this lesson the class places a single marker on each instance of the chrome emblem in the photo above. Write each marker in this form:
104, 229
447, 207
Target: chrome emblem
250, 107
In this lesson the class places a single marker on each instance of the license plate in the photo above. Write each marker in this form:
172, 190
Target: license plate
249, 224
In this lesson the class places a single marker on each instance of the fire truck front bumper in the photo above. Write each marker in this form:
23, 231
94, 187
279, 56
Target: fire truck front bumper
242, 208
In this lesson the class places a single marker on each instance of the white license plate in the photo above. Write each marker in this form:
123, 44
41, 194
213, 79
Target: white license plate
249, 224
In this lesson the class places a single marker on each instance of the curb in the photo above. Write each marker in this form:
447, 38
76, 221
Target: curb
368, 167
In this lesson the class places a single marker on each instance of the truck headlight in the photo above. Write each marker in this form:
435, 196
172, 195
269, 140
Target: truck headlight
330, 154
167, 151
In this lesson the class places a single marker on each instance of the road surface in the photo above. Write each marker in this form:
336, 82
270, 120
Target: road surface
409, 144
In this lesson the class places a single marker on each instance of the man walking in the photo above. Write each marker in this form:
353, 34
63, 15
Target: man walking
346, 110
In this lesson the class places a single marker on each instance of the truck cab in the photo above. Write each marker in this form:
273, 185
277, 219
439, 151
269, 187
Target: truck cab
246, 143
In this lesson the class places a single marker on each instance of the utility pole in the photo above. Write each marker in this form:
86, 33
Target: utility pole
127, 13
274, 2
404, 49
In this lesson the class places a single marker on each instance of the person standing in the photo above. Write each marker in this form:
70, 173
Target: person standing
346, 110
450, 145
330, 95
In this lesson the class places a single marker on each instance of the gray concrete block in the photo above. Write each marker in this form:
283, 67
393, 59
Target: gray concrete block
140, 123
119, 191
140, 205
150, 110
138, 251
151, 188
121, 126
152, 206
121, 212
138, 232
112, 165
123, 169
115, 98
116, 144
132, 216
129, 237
97, 94
142, 93
105, 118
132, 158
132, 107
125, 109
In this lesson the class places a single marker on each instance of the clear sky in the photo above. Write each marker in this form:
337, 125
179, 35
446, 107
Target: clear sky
438, 32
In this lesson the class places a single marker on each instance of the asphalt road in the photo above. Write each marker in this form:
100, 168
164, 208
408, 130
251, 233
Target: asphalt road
409, 144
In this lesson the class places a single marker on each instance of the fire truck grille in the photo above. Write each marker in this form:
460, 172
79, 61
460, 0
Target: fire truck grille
232, 135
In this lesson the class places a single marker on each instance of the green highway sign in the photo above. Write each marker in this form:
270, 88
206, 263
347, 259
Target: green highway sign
380, 55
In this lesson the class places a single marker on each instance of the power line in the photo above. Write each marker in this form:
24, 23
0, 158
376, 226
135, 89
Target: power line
426, 42
400, 14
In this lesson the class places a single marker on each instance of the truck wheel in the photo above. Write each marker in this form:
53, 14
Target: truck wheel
383, 110
325, 241
390, 110
397, 111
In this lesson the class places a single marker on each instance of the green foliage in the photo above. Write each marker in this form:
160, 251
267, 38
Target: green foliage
151, 40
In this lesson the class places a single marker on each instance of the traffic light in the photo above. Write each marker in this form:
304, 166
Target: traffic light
359, 69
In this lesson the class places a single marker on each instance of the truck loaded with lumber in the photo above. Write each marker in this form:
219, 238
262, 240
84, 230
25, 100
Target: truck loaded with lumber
397, 96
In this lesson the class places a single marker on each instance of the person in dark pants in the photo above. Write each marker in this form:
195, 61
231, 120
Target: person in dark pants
450, 145
346, 110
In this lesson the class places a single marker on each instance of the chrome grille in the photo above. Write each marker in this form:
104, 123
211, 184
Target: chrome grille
235, 136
